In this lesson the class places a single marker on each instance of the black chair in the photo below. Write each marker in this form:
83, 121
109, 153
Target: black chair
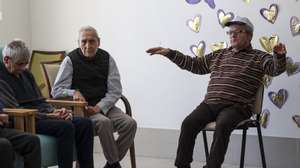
254, 122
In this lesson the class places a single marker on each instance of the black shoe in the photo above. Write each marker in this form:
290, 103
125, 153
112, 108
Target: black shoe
113, 165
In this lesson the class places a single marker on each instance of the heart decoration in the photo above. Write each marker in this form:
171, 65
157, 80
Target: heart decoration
247, 1
264, 118
295, 25
217, 46
267, 80
198, 50
292, 67
194, 24
296, 119
268, 43
223, 17
278, 99
192, 2
211, 3
270, 14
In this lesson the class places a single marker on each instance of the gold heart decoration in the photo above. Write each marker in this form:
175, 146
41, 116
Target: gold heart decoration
198, 50
194, 24
270, 14
217, 46
292, 67
264, 118
295, 25
267, 80
268, 43
223, 17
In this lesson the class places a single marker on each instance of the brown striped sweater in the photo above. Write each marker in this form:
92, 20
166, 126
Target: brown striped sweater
235, 76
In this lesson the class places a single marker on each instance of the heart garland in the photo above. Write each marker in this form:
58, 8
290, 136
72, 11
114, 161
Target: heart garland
198, 50
295, 25
194, 24
296, 119
292, 67
217, 46
270, 14
278, 99
268, 43
223, 17
264, 118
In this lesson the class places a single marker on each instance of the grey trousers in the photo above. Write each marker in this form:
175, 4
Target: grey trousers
106, 125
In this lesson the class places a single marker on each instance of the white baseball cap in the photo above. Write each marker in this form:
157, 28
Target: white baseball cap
241, 21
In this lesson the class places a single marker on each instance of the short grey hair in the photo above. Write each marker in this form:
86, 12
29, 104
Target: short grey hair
88, 28
17, 51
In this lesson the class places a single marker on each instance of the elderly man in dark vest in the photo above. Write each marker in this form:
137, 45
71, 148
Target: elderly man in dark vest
90, 74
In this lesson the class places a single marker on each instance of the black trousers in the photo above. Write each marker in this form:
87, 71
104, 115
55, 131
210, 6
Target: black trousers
227, 116
25, 144
78, 132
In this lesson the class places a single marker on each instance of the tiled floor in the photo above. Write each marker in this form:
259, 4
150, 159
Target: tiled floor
149, 162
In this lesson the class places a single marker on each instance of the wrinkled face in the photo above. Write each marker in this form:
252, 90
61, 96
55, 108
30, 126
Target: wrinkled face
88, 43
15, 68
239, 37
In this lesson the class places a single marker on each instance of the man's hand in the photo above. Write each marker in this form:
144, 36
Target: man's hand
61, 114
91, 110
279, 49
78, 96
158, 50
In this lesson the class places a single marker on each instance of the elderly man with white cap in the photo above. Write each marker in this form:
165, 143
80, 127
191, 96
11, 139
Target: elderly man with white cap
236, 75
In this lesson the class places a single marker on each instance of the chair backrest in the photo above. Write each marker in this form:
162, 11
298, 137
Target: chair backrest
258, 100
50, 70
36, 69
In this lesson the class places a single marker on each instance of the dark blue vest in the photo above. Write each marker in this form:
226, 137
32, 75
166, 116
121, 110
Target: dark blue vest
90, 75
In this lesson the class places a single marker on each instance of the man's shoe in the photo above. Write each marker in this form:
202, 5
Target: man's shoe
112, 165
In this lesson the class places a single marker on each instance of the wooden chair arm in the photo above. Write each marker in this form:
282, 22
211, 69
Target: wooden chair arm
78, 106
24, 119
67, 103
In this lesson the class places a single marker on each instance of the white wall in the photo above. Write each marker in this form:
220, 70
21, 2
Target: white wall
161, 95
15, 21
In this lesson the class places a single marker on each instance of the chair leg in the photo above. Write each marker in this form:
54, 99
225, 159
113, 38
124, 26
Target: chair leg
132, 156
261, 147
243, 148
205, 145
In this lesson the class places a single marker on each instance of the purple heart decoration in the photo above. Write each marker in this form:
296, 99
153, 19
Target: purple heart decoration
296, 119
292, 67
278, 99
264, 118
295, 25
270, 14
211, 3
267, 80
192, 2
223, 17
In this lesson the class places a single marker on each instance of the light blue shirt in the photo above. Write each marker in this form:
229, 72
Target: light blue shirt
63, 82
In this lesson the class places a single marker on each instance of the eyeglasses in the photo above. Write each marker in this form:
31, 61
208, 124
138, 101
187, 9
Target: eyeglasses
235, 33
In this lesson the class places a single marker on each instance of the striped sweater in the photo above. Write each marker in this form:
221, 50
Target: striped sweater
235, 76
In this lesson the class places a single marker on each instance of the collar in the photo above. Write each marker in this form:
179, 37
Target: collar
242, 50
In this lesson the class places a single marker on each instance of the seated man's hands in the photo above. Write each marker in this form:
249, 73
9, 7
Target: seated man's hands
61, 114
279, 49
91, 110
78, 96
